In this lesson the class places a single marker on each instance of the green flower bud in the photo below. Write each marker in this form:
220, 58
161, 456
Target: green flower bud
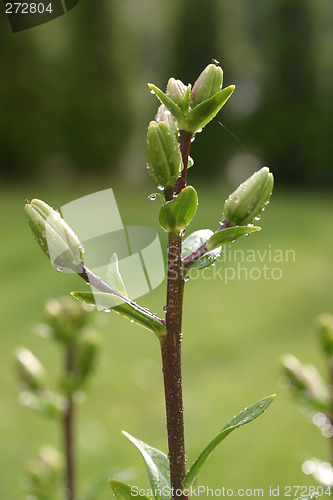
245, 204
179, 93
30, 370
66, 318
86, 354
306, 383
164, 115
325, 329
55, 237
176, 90
163, 154
176, 214
208, 84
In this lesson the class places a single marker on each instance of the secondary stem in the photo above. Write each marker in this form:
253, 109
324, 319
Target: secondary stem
171, 346
68, 432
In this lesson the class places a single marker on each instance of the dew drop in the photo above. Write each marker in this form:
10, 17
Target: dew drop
160, 187
59, 269
186, 278
107, 310
152, 197
165, 309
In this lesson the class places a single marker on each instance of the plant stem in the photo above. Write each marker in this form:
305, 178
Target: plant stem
331, 409
171, 346
68, 431
201, 250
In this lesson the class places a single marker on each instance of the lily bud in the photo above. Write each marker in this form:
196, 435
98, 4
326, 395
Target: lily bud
66, 318
176, 90
163, 154
245, 204
86, 354
57, 240
208, 84
306, 382
325, 328
179, 93
30, 370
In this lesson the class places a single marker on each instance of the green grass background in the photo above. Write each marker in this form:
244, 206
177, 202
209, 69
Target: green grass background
234, 336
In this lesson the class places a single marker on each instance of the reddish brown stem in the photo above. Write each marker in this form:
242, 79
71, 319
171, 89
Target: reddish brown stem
68, 433
171, 347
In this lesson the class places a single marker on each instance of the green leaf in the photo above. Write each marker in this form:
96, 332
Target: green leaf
229, 234
193, 242
113, 277
204, 112
244, 417
157, 465
168, 103
176, 214
123, 491
124, 307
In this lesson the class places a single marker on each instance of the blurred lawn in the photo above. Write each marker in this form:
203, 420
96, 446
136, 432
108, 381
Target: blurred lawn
234, 336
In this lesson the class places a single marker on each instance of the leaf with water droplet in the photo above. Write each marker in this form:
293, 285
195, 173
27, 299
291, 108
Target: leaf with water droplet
125, 307
113, 277
123, 491
229, 234
157, 465
154, 196
174, 109
176, 214
244, 417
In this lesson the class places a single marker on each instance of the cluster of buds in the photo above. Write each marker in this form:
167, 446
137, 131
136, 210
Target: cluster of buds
67, 324
184, 109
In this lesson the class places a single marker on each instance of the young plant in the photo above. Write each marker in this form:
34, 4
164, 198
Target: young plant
315, 396
183, 112
67, 326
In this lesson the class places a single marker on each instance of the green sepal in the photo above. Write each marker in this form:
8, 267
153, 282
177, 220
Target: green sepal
157, 465
204, 112
244, 417
124, 307
229, 234
176, 214
174, 109
123, 491
113, 277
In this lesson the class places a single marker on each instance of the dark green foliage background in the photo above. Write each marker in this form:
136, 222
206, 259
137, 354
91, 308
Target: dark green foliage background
73, 92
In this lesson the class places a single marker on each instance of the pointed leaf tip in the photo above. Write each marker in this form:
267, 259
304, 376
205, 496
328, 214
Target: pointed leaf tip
157, 465
244, 417
123, 491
